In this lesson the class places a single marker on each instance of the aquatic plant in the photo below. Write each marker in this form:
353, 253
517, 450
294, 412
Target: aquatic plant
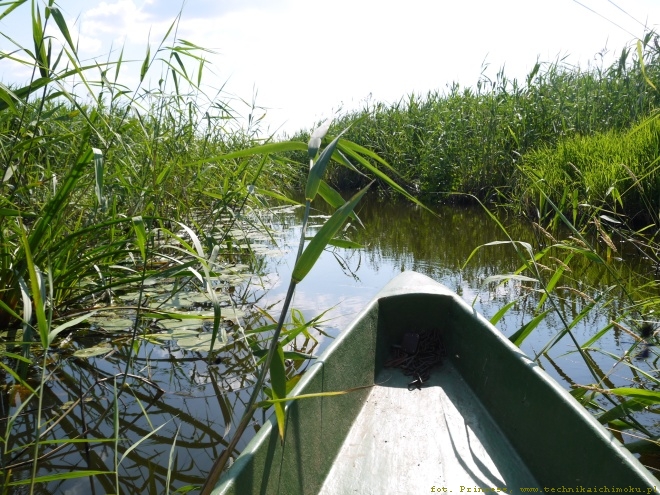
469, 140
630, 306
306, 257
104, 190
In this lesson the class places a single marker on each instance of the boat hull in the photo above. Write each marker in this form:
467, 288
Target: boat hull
489, 419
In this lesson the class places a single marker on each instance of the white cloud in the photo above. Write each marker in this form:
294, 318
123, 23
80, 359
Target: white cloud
122, 20
308, 58
89, 45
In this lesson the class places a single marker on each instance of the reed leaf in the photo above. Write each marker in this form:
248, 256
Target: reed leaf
262, 149
12, 6
278, 388
625, 408
36, 289
502, 311
519, 337
71, 323
323, 237
145, 64
140, 236
333, 198
552, 283
83, 473
318, 169
61, 24
98, 175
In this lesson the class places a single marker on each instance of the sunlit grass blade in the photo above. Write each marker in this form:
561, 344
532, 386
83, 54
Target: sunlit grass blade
140, 442
361, 150
502, 311
278, 388
262, 149
141, 236
83, 473
293, 355
171, 461
508, 276
382, 176
519, 337
584, 313
526, 245
552, 283
71, 323
600, 334
268, 402
98, 175
145, 64
625, 408
276, 195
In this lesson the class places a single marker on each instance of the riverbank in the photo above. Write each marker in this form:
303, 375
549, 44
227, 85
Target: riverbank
581, 135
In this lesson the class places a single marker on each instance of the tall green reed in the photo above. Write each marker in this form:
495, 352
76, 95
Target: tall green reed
469, 139
614, 170
596, 239
602, 187
306, 257
94, 178
106, 189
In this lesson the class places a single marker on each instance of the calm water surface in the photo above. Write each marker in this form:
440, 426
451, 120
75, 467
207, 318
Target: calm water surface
400, 236
178, 411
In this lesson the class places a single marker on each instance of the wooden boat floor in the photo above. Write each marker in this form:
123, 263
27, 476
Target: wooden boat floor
421, 441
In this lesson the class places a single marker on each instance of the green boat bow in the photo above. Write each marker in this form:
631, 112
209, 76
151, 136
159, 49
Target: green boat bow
487, 419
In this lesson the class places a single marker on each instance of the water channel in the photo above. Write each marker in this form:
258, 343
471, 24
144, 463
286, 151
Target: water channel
176, 410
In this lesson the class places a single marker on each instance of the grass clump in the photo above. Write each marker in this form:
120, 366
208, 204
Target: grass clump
616, 171
104, 190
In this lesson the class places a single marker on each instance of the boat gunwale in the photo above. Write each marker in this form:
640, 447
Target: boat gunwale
405, 286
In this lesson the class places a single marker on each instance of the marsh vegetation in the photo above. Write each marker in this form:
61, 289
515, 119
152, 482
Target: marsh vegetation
136, 233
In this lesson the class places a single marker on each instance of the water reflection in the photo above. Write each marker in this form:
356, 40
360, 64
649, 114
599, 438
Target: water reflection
398, 236
176, 409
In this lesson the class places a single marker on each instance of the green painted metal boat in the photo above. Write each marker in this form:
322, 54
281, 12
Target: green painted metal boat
487, 420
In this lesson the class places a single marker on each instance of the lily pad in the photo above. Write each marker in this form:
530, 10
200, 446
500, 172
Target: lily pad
186, 324
110, 324
232, 314
198, 298
188, 339
235, 279
131, 296
268, 251
237, 268
97, 350
199, 342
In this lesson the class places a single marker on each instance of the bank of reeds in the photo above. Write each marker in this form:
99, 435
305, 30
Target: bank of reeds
576, 150
470, 139
101, 188
614, 171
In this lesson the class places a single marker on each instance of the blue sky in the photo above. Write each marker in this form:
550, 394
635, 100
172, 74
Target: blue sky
308, 59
